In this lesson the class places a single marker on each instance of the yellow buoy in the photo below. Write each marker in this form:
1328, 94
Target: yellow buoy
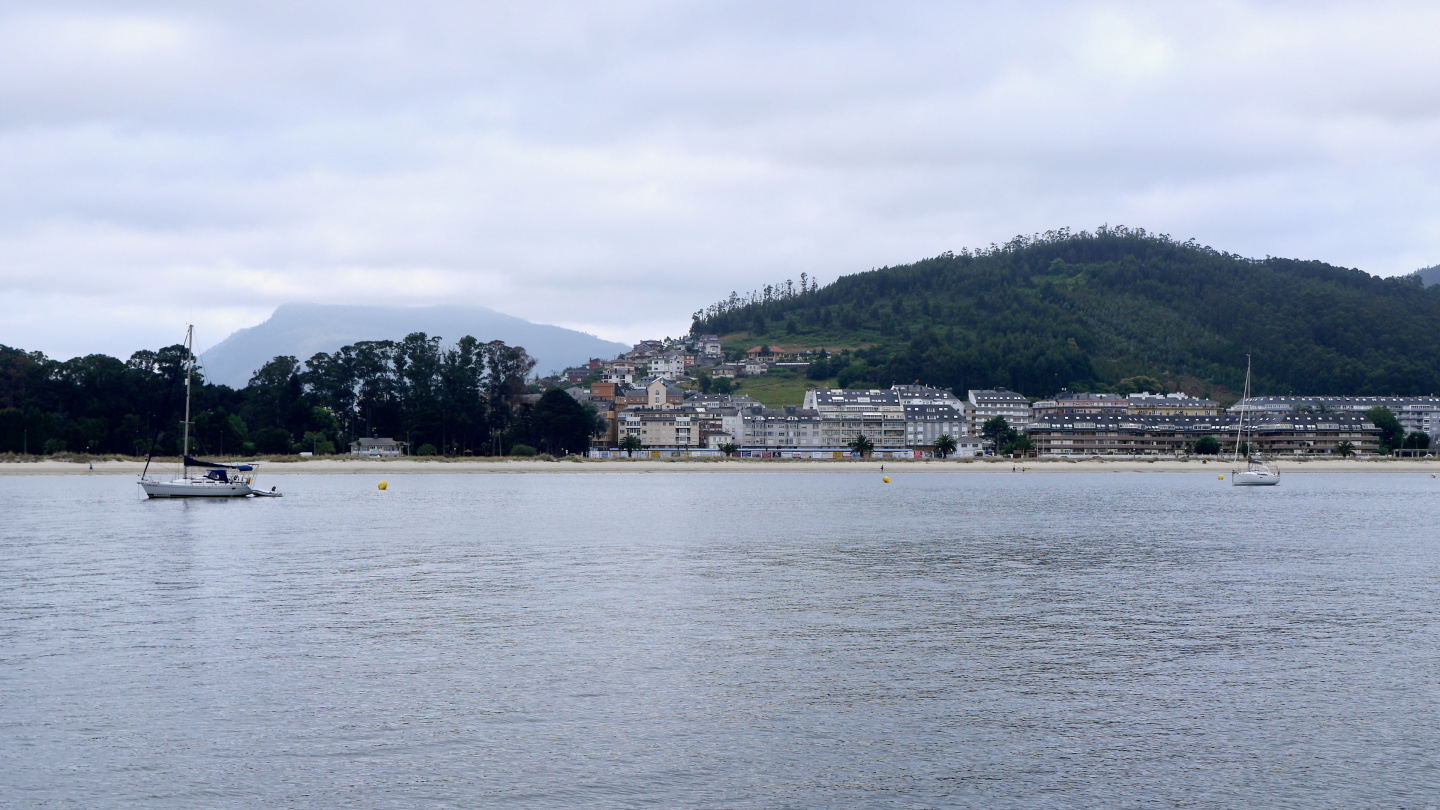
886, 479
1222, 478
382, 484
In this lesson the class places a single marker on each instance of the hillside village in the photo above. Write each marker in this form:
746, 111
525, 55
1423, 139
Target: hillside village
677, 398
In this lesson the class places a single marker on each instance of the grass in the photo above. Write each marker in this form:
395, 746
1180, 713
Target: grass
780, 388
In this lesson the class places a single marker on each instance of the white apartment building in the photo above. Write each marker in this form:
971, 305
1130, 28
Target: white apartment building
926, 423
670, 365
846, 413
787, 427
990, 403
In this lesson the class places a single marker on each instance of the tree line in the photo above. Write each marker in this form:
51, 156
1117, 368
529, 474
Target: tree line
462, 399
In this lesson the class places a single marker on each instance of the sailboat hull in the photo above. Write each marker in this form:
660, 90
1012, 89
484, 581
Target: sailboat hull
195, 488
1253, 478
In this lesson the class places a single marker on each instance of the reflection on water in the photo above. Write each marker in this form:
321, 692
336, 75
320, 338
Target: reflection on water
709, 640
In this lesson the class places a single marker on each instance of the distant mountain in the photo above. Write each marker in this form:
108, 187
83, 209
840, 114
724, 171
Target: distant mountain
1106, 311
302, 330
1429, 276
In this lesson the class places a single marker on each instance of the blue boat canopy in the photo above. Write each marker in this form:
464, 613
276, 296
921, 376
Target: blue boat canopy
195, 462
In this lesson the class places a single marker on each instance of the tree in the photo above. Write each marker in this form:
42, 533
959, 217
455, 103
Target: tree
1019, 445
729, 448
1345, 449
945, 445
997, 431
862, 446
1391, 432
1207, 446
1419, 440
631, 442
1131, 385
703, 380
722, 385
561, 424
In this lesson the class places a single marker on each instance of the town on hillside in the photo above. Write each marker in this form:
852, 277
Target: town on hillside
689, 397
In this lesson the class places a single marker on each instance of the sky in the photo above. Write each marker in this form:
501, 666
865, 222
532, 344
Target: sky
614, 167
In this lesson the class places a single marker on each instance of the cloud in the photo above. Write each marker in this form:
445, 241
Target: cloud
619, 167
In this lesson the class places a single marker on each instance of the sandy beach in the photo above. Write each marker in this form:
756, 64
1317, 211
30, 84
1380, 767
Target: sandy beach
355, 466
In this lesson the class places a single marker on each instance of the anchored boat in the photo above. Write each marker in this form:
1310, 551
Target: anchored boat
1256, 473
216, 480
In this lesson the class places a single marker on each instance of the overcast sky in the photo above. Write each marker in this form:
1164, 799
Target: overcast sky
615, 167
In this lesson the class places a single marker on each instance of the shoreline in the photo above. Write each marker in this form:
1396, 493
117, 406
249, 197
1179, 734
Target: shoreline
411, 466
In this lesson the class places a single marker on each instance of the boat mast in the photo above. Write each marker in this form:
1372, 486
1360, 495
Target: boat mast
1240, 428
189, 364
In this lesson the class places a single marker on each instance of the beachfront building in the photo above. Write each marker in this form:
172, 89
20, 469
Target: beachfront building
787, 427
377, 448
1176, 404
848, 412
1415, 413
990, 403
1275, 435
1069, 402
926, 423
659, 429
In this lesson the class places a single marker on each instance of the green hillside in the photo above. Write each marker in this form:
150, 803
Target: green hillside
1104, 311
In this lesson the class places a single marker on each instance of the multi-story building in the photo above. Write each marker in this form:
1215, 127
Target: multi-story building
1068, 402
787, 427
926, 423
661, 395
620, 371
990, 403
1117, 434
1414, 413
925, 395
660, 429
670, 365
847, 412
1176, 404
709, 350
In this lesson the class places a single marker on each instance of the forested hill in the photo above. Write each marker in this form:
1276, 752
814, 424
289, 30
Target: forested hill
1103, 311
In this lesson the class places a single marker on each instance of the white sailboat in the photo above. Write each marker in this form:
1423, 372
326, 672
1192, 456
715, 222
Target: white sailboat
216, 481
1256, 472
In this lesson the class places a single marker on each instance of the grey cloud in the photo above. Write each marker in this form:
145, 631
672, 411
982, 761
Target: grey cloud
616, 167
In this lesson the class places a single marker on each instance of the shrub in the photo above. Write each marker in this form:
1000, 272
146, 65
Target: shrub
426, 450
522, 450
1207, 446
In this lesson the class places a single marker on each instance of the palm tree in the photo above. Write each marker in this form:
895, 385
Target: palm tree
862, 445
729, 448
631, 442
1345, 449
945, 445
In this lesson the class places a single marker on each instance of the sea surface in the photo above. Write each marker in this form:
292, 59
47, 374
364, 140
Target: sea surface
787, 640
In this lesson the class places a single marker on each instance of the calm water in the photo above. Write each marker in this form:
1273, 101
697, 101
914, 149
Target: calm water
792, 640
